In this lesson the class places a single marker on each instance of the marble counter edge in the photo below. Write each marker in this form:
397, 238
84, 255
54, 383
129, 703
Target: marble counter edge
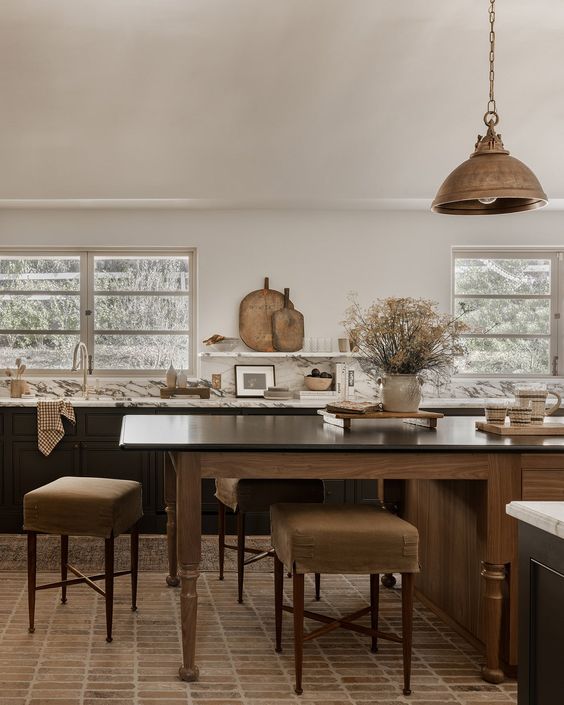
222, 402
547, 516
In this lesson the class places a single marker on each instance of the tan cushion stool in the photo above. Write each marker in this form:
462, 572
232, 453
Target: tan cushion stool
84, 506
251, 495
343, 539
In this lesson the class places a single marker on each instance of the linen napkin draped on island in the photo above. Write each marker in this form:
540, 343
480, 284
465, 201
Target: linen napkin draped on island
50, 428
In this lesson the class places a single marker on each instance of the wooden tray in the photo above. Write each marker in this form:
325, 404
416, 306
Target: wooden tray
546, 429
169, 392
419, 418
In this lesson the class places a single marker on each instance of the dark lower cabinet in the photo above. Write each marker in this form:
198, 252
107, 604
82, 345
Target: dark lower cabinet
90, 448
541, 617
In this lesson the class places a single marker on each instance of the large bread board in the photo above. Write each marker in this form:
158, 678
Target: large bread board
255, 317
546, 429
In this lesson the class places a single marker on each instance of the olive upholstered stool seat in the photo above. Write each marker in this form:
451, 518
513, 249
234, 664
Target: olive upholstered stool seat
243, 496
343, 539
83, 506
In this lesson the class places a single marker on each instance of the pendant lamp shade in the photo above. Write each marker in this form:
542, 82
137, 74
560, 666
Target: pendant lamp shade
491, 181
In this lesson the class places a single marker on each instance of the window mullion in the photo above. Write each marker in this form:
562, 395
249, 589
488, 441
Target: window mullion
88, 300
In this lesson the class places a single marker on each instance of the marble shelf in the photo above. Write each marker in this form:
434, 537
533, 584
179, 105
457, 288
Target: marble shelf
298, 354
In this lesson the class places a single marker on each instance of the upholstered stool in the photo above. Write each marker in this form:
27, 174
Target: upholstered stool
243, 496
343, 539
83, 506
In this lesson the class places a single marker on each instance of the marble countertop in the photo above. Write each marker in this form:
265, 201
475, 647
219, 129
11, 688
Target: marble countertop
548, 516
224, 402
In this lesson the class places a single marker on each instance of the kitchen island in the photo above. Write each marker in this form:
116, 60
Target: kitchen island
541, 600
465, 531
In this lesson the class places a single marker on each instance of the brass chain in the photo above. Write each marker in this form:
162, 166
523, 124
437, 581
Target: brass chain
491, 113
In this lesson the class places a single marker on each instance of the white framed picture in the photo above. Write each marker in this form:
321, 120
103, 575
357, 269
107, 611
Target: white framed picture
253, 380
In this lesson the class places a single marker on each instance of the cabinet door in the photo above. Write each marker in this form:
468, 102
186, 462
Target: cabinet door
106, 459
31, 469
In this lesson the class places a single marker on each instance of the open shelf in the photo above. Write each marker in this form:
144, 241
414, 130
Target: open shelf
299, 354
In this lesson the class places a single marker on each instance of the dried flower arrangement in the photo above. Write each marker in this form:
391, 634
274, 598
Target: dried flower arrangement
405, 335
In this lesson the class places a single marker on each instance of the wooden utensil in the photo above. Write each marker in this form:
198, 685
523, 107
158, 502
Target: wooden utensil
287, 327
255, 317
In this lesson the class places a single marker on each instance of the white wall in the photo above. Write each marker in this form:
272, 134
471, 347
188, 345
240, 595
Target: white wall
264, 99
320, 255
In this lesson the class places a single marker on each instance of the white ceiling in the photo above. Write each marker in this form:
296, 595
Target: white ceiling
269, 99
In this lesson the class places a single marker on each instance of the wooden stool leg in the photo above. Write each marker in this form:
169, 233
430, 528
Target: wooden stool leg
64, 564
109, 570
407, 586
134, 565
278, 599
240, 554
221, 536
298, 628
317, 587
374, 604
31, 577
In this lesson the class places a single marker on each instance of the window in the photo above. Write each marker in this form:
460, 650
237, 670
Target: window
134, 310
510, 302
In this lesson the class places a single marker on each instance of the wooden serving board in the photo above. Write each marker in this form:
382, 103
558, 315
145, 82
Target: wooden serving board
546, 429
287, 327
427, 419
255, 317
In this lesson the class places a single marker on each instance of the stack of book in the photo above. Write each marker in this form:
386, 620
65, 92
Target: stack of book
326, 397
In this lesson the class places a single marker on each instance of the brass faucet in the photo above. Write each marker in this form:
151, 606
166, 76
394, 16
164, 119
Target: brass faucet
84, 364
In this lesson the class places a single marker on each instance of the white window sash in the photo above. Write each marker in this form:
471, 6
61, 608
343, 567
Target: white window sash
87, 294
556, 273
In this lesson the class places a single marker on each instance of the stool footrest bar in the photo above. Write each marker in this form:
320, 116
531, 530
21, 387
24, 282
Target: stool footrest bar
343, 623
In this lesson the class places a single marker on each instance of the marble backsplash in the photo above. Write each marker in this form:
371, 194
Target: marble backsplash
289, 372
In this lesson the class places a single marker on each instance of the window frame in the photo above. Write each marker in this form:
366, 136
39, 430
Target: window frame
556, 273
86, 291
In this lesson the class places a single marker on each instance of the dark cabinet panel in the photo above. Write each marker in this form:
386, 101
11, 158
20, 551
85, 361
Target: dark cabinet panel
105, 459
24, 423
106, 423
334, 491
31, 469
541, 616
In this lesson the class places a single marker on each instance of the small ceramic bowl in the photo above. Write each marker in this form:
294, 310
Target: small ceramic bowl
318, 384
225, 345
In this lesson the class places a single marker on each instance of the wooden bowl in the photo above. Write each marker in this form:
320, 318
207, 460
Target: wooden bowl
318, 384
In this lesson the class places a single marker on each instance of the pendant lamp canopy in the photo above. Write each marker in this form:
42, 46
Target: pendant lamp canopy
491, 181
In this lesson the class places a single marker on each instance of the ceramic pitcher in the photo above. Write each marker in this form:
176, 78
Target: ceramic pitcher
536, 399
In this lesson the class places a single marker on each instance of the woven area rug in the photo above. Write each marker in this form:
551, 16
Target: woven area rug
88, 553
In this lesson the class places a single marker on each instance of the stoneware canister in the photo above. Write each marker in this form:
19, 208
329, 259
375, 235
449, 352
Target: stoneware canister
400, 392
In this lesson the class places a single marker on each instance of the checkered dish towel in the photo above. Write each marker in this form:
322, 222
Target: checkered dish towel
50, 428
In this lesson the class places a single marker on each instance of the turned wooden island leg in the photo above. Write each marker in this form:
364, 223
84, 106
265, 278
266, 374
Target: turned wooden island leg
500, 595
494, 576
172, 578
189, 538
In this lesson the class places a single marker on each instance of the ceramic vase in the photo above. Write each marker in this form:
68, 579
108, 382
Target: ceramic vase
400, 392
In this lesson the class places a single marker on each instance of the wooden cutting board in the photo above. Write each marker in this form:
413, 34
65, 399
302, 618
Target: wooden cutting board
255, 317
546, 429
287, 327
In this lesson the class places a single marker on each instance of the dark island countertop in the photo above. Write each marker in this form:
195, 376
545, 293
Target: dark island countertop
305, 433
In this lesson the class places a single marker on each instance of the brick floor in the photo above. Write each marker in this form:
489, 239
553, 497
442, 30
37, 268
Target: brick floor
68, 662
